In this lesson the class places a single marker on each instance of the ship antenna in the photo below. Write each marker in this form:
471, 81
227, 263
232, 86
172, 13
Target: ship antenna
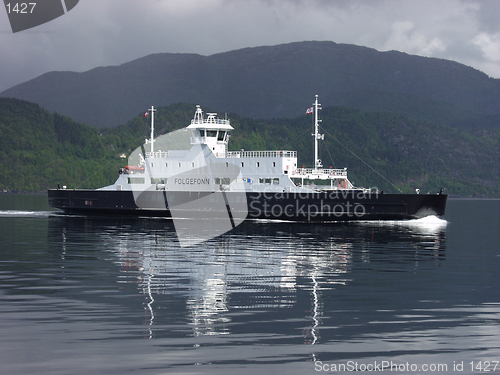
152, 110
316, 135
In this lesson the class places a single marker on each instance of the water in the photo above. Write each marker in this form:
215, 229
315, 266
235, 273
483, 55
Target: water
113, 296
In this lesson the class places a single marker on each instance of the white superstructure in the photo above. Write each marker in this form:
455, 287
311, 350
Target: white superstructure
196, 158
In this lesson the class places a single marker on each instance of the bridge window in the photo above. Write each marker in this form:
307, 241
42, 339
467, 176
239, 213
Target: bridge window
221, 135
211, 133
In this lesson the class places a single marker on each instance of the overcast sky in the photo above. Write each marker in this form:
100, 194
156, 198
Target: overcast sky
110, 32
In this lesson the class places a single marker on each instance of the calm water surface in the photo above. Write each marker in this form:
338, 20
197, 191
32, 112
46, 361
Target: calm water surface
90, 295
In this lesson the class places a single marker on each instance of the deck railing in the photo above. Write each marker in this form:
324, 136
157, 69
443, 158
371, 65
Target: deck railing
210, 121
261, 154
157, 154
311, 171
236, 154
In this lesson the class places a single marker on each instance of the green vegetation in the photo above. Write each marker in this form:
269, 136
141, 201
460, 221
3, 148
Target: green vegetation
378, 147
39, 149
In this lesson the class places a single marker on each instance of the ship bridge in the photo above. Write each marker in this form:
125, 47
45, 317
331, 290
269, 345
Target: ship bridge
210, 131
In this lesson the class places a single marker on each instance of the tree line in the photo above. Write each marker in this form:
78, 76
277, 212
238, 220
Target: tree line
40, 149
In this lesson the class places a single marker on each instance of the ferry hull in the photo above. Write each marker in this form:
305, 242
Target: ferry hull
337, 205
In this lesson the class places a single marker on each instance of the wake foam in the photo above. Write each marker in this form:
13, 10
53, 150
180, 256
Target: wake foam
19, 213
426, 225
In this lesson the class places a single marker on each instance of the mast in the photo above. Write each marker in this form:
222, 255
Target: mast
152, 110
316, 135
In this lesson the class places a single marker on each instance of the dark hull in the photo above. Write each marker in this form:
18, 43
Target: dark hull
348, 205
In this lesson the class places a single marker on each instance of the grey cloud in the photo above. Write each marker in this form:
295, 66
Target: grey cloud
111, 32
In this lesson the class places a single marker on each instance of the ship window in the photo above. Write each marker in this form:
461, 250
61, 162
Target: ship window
242, 164
211, 133
166, 165
258, 164
222, 180
192, 165
268, 181
202, 132
221, 135
274, 164
276, 181
261, 180
227, 164
136, 180
179, 165
151, 165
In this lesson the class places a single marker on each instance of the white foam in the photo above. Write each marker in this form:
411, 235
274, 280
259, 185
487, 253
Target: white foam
431, 219
425, 225
19, 213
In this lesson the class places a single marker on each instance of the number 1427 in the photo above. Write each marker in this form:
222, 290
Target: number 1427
20, 7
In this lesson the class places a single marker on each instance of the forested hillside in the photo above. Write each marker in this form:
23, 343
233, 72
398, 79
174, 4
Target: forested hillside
39, 149
381, 146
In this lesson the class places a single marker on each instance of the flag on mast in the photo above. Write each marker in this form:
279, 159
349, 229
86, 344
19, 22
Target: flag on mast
145, 114
309, 110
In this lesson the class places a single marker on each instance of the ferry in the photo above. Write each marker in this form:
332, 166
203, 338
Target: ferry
190, 174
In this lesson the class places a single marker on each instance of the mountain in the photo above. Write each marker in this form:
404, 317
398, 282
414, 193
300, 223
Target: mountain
40, 149
273, 81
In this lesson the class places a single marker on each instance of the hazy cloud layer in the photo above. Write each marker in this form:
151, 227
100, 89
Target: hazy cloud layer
111, 32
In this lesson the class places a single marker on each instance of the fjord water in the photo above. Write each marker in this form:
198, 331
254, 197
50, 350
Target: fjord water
99, 295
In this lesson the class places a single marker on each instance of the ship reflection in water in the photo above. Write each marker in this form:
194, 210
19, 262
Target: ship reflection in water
257, 269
